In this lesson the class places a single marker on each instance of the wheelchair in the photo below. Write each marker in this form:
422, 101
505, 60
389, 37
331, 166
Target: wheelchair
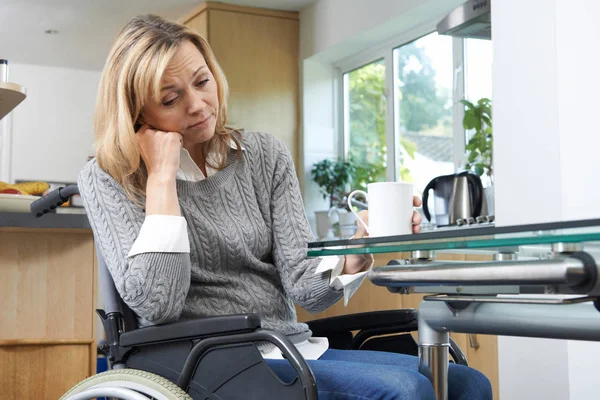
217, 357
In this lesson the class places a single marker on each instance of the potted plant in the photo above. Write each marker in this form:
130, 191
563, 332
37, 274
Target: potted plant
332, 177
479, 149
478, 118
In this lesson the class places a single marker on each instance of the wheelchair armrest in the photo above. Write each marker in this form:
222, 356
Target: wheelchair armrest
190, 329
368, 320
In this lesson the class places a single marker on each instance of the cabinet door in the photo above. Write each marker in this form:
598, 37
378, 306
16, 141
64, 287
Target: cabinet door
259, 55
200, 24
44, 371
47, 284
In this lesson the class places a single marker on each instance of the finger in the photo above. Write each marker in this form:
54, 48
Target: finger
367, 263
416, 229
141, 134
364, 215
144, 128
416, 219
417, 201
180, 136
360, 231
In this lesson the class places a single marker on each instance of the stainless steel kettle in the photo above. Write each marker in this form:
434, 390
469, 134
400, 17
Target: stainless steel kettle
456, 196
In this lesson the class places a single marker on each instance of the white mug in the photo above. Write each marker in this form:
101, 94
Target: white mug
390, 208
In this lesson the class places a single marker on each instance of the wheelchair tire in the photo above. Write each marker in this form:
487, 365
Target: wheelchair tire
143, 382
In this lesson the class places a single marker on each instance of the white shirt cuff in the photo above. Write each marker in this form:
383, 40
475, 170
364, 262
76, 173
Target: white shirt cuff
346, 282
162, 234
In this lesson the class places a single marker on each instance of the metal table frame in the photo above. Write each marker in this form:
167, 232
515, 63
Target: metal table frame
488, 305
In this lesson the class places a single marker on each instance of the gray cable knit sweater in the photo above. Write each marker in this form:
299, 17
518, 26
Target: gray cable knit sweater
248, 236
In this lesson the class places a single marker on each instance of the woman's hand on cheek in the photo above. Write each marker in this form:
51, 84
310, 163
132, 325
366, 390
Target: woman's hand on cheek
355, 263
160, 151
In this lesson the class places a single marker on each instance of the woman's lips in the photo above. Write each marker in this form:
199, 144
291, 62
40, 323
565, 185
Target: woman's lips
200, 124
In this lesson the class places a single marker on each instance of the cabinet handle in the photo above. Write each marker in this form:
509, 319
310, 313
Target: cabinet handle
473, 343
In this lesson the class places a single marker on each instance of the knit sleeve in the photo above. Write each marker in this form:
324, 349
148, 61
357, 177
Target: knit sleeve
154, 284
291, 234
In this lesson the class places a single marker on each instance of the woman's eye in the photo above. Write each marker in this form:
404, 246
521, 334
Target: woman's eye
202, 83
170, 102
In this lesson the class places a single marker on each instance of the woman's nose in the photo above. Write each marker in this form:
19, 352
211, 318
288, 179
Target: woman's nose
197, 103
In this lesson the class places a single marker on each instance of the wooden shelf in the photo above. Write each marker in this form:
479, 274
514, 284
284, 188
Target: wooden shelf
11, 95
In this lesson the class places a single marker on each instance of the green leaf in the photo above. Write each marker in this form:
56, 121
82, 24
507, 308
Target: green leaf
478, 118
479, 169
470, 120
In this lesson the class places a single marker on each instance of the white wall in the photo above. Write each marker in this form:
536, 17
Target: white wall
577, 37
545, 142
319, 139
525, 112
52, 132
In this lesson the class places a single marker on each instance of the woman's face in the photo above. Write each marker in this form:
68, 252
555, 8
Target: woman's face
188, 101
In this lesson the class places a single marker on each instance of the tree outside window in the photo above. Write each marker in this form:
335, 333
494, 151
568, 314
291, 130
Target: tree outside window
365, 119
423, 108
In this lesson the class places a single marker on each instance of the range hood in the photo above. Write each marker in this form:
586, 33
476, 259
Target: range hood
472, 19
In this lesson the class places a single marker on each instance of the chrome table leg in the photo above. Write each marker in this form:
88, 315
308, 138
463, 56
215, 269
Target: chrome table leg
433, 357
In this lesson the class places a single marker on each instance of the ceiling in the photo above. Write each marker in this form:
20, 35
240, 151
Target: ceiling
86, 28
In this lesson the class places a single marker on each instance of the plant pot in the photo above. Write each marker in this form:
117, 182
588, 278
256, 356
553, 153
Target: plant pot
323, 223
344, 222
487, 207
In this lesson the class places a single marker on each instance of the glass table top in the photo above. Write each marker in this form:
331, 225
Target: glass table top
484, 237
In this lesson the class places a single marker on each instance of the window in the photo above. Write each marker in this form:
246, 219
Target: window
478, 81
401, 116
364, 122
423, 109
478, 69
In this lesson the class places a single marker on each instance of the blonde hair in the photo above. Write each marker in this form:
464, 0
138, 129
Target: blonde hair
134, 68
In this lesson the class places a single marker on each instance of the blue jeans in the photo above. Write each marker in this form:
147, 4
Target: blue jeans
362, 374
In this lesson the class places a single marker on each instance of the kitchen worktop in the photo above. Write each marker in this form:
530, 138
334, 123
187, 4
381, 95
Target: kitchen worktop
49, 221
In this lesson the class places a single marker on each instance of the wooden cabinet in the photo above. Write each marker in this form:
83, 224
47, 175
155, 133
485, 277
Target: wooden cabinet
47, 319
258, 51
481, 350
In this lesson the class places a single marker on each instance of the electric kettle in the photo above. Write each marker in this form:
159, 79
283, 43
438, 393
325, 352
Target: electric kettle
456, 196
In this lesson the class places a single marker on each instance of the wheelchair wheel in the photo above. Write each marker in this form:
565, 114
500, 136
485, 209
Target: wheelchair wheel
126, 384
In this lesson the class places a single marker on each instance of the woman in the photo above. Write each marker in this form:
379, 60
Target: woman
194, 219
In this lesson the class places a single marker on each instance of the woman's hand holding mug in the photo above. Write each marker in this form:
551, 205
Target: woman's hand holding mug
355, 263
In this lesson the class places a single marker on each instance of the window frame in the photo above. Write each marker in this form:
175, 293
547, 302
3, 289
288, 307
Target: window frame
385, 51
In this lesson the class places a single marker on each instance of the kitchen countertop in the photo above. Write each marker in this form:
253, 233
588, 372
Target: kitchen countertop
48, 221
